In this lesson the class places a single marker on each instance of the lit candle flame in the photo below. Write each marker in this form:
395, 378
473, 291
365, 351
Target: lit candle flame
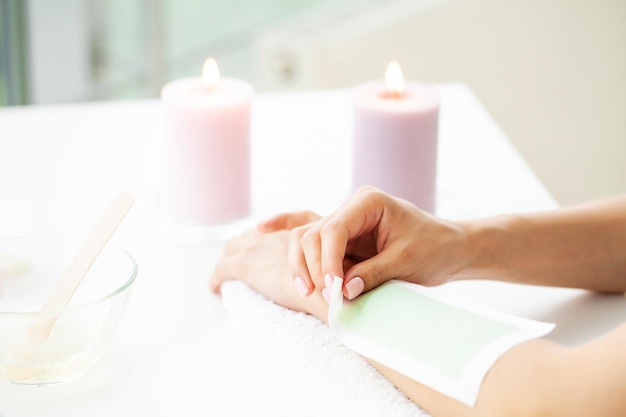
394, 79
210, 74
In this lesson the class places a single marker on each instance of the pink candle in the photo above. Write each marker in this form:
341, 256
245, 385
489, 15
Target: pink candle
395, 138
208, 146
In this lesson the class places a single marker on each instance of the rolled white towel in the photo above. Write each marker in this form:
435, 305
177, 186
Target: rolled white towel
298, 353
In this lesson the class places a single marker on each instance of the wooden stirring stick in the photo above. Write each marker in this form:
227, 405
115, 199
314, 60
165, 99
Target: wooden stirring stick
78, 267
74, 273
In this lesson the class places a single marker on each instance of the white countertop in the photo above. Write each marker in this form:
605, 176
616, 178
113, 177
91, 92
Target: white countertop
61, 165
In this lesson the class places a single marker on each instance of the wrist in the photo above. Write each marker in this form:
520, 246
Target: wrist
486, 248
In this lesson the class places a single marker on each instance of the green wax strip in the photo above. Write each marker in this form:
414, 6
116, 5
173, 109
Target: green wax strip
420, 327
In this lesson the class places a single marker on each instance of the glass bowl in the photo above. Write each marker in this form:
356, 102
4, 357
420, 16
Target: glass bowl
30, 267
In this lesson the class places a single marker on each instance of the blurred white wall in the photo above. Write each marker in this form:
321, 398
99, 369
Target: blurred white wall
551, 72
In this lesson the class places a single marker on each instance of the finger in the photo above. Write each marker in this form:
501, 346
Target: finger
311, 247
215, 284
373, 272
225, 270
358, 216
333, 240
216, 279
297, 262
287, 221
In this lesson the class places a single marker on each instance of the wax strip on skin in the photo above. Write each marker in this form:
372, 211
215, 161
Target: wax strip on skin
441, 342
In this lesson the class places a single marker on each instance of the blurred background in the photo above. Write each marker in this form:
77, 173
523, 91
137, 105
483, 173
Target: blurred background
551, 72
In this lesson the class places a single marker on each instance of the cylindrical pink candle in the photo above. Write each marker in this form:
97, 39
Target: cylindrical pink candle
395, 140
208, 148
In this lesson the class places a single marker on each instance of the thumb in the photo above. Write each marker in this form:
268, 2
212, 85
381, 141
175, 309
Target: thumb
371, 273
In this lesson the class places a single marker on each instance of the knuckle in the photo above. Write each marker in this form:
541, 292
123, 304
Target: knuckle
310, 236
366, 189
330, 228
297, 233
373, 195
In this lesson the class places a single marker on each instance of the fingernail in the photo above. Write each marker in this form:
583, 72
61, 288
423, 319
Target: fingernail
301, 286
326, 294
328, 281
354, 287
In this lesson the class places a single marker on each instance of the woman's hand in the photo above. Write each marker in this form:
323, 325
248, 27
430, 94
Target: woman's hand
260, 260
383, 237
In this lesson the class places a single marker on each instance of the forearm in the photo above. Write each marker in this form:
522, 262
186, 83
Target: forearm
511, 388
535, 378
582, 246
539, 378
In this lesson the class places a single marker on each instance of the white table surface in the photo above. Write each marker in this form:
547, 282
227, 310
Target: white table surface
61, 165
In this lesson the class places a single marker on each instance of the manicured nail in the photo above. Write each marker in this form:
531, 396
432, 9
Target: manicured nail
328, 281
326, 294
355, 287
301, 286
